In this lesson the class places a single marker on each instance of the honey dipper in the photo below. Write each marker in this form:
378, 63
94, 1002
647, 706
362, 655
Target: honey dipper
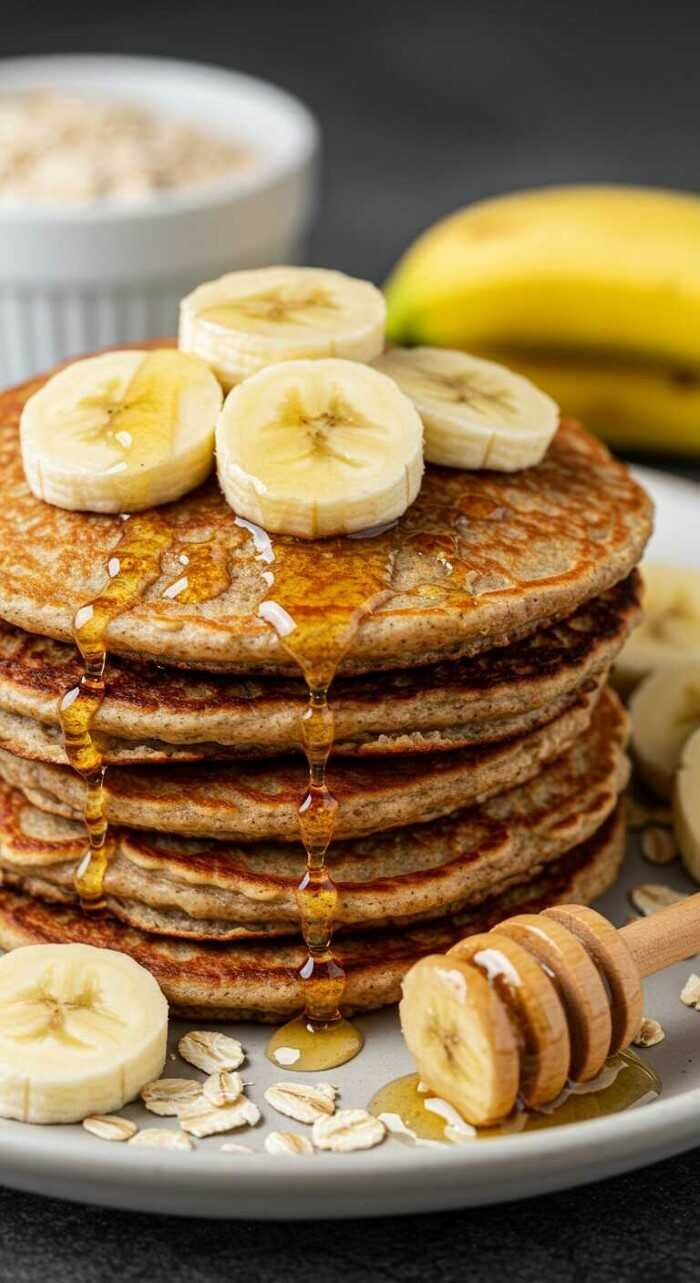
542, 998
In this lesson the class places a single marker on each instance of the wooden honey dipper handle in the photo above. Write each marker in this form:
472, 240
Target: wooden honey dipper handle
668, 936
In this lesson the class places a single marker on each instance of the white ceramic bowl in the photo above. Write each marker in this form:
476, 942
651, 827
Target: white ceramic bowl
75, 278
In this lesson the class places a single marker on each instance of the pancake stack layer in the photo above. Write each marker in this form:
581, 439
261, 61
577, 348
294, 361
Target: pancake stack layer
478, 761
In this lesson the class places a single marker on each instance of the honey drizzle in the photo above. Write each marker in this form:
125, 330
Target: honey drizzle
625, 1081
135, 564
316, 616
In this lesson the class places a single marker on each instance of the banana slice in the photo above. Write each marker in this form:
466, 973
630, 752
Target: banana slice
122, 431
670, 630
316, 448
665, 711
461, 1038
82, 1030
247, 320
476, 414
686, 806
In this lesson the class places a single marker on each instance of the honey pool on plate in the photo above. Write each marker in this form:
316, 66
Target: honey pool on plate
625, 1081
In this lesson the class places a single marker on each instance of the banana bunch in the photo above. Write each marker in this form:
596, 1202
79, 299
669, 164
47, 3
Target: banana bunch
591, 292
82, 1030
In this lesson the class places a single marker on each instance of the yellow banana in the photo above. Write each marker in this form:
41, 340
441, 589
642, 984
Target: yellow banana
592, 292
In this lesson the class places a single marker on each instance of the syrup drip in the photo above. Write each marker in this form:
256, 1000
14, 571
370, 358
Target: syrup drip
135, 564
625, 1081
316, 609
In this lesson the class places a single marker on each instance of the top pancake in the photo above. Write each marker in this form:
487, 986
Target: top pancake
479, 559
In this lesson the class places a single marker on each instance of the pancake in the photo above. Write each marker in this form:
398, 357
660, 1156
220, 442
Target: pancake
260, 981
479, 559
223, 892
37, 742
250, 802
153, 714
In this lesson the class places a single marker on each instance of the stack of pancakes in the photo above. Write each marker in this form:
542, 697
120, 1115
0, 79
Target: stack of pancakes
479, 755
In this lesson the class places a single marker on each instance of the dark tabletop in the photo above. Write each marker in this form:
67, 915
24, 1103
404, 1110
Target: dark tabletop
424, 107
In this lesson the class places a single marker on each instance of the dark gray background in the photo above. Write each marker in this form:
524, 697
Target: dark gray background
424, 106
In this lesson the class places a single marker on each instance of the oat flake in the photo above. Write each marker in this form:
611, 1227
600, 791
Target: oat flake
211, 1052
110, 1127
347, 1130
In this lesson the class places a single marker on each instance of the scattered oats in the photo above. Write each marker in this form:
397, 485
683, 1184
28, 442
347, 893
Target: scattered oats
422, 1087
658, 845
650, 1033
348, 1129
690, 993
302, 1103
650, 897
159, 1138
200, 1118
639, 815
286, 1056
288, 1143
223, 1088
172, 1056
230, 1147
211, 1052
165, 1096
110, 1127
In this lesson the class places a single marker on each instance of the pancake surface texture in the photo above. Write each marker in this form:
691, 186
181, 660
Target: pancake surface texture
250, 802
479, 558
222, 891
153, 714
260, 981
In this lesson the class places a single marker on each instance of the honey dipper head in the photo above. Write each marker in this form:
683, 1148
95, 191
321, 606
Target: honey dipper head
517, 1011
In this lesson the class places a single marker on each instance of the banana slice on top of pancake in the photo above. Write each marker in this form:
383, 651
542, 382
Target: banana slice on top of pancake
476, 414
247, 320
317, 448
121, 432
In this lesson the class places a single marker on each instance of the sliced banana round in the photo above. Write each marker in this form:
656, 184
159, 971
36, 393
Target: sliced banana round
665, 711
670, 630
476, 414
461, 1038
316, 448
121, 432
686, 806
82, 1030
247, 320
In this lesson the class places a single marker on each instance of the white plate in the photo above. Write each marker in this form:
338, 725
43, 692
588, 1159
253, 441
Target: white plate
66, 1162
